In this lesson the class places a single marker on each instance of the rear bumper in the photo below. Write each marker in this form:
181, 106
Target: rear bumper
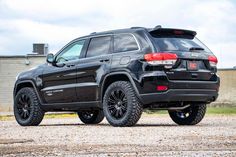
179, 95
178, 90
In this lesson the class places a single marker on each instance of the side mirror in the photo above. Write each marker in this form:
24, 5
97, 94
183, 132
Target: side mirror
50, 58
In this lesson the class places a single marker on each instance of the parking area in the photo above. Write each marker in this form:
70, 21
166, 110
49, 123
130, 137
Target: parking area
154, 135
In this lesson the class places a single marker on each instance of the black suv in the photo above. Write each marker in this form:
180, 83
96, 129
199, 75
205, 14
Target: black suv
119, 73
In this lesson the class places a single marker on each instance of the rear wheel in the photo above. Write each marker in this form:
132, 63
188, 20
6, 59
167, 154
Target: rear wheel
189, 116
91, 117
27, 108
121, 105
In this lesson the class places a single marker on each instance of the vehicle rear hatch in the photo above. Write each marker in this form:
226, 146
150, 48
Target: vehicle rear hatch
194, 60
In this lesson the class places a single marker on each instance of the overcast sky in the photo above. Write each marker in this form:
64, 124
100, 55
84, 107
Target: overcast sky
23, 22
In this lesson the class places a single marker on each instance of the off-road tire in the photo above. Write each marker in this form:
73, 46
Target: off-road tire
197, 113
133, 105
97, 116
36, 113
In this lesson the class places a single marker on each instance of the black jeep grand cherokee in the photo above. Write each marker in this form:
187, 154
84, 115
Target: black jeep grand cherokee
118, 74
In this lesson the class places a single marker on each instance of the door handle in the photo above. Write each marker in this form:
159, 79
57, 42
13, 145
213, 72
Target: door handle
194, 75
104, 60
70, 65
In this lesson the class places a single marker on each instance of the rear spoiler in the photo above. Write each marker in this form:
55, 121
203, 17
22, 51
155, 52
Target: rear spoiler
171, 32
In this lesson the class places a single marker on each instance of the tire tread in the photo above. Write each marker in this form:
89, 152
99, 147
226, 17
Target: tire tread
38, 113
136, 106
199, 113
94, 120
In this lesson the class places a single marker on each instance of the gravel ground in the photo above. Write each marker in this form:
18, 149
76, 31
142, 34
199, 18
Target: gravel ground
154, 135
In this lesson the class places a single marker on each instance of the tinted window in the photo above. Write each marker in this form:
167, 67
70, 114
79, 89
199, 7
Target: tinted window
124, 42
99, 46
179, 44
72, 52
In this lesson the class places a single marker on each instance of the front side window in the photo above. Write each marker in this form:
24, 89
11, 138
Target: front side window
124, 42
72, 52
99, 46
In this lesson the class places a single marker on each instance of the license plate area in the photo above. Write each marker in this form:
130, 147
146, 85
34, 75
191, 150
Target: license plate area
192, 65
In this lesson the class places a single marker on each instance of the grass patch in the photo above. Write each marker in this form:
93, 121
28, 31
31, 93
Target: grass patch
210, 111
6, 117
61, 115
50, 115
155, 111
221, 110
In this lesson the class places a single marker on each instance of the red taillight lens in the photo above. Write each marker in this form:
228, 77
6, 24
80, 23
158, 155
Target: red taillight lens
161, 58
162, 88
213, 60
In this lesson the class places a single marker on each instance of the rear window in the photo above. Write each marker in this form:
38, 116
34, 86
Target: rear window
124, 42
177, 40
179, 44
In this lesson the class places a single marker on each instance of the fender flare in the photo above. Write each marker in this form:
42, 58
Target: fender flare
120, 73
33, 84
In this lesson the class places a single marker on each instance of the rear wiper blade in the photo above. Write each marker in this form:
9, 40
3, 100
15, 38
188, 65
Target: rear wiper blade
195, 48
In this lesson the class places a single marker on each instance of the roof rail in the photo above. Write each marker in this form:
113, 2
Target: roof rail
136, 27
93, 33
155, 28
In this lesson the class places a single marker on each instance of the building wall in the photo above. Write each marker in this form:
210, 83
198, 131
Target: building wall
227, 94
11, 66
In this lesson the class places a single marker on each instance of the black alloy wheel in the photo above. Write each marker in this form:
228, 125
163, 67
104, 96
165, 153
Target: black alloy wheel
184, 113
23, 105
27, 107
191, 115
117, 103
87, 114
91, 116
121, 106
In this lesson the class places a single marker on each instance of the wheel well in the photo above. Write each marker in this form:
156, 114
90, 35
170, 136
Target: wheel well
113, 78
22, 85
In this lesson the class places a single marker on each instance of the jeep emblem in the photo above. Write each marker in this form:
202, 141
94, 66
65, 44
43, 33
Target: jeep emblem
194, 54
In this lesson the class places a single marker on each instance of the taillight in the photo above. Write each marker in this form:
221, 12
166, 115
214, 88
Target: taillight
167, 59
162, 88
212, 60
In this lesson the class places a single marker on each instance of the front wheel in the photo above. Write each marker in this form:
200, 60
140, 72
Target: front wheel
27, 108
189, 116
91, 117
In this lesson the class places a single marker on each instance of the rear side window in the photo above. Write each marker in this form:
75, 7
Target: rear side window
124, 42
99, 46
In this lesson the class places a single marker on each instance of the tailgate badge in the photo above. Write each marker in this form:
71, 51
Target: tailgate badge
170, 72
194, 54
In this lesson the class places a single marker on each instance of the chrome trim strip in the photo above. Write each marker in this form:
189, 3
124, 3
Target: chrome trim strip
69, 86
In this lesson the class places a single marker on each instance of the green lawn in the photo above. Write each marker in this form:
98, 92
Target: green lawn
221, 110
210, 111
